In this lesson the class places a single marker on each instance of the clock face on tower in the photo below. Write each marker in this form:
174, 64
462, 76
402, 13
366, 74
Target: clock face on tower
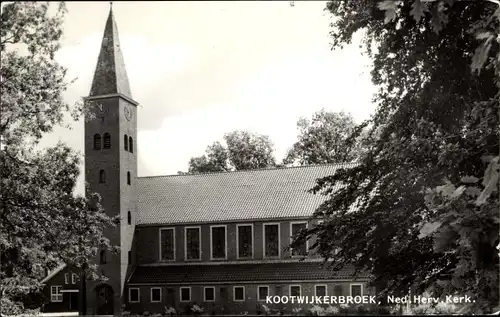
101, 110
128, 113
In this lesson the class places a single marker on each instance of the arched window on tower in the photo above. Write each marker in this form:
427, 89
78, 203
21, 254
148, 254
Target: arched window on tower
107, 141
128, 178
102, 176
125, 142
129, 217
130, 144
97, 141
102, 257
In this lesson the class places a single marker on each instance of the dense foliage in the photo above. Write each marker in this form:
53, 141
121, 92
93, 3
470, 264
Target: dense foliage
426, 191
243, 151
42, 223
324, 139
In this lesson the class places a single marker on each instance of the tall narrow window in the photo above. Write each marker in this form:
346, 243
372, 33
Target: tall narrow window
218, 237
128, 178
130, 144
102, 176
102, 257
97, 141
129, 217
271, 240
107, 141
167, 244
295, 228
245, 237
192, 245
129, 257
125, 142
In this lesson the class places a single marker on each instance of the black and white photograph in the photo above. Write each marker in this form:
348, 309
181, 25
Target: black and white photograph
253, 158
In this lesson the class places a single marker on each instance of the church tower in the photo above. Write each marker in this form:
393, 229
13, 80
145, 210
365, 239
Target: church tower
111, 167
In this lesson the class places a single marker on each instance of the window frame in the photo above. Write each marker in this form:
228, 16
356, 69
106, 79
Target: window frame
130, 144
97, 142
138, 294
185, 243
212, 245
294, 285
106, 137
258, 292
355, 284
102, 176
320, 285
160, 259
103, 257
205, 294
66, 278
238, 226
234, 293
180, 294
74, 276
291, 239
57, 296
151, 295
264, 240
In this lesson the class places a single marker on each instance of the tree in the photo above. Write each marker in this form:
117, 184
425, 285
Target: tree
42, 223
324, 140
426, 192
243, 151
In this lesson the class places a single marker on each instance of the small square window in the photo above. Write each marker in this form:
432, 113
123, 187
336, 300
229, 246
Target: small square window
263, 292
155, 295
185, 294
294, 290
356, 290
238, 293
56, 295
320, 290
133, 295
209, 292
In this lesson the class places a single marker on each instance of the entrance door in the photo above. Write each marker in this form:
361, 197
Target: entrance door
104, 300
73, 301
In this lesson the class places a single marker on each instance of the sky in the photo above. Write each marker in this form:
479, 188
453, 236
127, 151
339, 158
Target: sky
201, 69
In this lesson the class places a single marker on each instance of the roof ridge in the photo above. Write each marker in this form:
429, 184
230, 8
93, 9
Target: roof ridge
253, 170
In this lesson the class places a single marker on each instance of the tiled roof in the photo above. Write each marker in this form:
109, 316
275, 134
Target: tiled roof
254, 194
237, 273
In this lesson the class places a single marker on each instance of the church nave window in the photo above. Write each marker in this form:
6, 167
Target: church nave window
167, 244
107, 141
125, 142
102, 176
97, 141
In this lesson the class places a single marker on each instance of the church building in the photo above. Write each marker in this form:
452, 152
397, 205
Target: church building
215, 242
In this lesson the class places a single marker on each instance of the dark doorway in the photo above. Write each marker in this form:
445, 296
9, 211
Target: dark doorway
73, 301
104, 300
223, 301
171, 297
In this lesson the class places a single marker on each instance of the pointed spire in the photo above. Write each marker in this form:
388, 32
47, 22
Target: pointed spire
110, 75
